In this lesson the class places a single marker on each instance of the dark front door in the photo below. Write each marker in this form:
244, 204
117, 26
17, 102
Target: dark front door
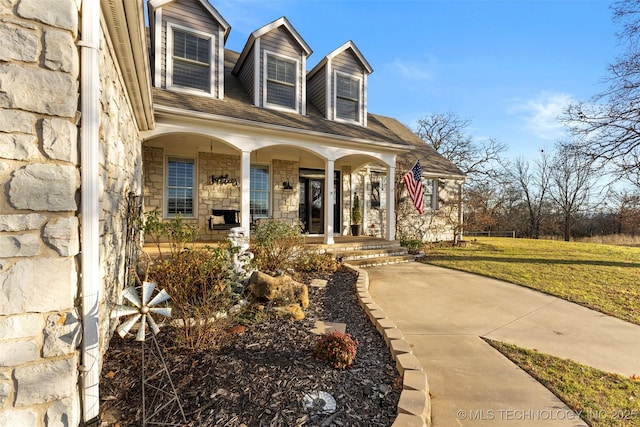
311, 210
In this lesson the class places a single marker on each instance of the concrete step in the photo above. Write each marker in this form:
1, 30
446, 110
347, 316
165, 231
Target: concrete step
371, 253
383, 260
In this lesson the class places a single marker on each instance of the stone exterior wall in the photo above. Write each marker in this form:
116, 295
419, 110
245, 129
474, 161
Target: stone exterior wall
285, 202
120, 182
39, 219
39, 225
433, 225
209, 196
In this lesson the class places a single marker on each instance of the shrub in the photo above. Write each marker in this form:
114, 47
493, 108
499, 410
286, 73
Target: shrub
276, 244
201, 284
175, 231
337, 348
312, 262
413, 245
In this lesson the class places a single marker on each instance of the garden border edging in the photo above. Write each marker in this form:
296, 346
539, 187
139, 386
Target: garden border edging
414, 406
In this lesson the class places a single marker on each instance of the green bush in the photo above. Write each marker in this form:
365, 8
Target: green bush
413, 245
276, 244
175, 231
337, 348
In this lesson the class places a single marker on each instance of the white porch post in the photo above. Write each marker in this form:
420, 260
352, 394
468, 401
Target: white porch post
245, 193
391, 198
329, 198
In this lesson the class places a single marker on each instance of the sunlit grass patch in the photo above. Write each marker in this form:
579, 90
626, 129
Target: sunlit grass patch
600, 398
602, 277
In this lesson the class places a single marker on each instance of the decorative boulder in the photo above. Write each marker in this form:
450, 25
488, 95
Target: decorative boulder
281, 288
292, 311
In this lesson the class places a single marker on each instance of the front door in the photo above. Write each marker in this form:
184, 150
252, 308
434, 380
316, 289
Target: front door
311, 209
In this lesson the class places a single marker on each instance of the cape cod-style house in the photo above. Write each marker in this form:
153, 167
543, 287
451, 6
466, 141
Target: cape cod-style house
99, 113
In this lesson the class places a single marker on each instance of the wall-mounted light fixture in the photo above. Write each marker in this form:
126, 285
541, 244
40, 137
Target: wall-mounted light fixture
222, 180
287, 185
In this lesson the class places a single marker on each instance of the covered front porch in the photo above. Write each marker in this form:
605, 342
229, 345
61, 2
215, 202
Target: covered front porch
216, 179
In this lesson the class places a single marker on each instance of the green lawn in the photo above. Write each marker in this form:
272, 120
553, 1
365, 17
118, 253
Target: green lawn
602, 277
600, 398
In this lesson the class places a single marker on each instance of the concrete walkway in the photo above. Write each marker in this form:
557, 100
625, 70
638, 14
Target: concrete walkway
443, 313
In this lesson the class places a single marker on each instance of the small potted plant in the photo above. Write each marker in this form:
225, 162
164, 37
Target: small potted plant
356, 216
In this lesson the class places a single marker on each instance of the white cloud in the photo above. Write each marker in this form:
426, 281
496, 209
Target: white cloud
414, 71
540, 114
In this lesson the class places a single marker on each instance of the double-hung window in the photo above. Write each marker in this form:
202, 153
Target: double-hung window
180, 186
259, 192
431, 193
190, 60
347, 98
281, 81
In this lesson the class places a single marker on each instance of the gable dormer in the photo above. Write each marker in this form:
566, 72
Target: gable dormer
338, 85
187, 38
272, 67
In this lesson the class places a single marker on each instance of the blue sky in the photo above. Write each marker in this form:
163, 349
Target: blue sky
509, 65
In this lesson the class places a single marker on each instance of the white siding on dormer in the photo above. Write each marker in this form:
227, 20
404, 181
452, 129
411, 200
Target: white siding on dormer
188, 15
279, 42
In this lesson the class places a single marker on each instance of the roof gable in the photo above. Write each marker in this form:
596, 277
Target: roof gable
157, 4
348, 45
280, 22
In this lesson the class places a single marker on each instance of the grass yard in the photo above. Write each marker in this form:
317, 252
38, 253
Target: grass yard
600, 398
602, 277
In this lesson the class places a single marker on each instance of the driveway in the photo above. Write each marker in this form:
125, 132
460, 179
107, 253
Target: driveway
443, 313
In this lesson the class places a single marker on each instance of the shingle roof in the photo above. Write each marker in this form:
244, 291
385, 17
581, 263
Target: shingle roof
238, 105
430, 160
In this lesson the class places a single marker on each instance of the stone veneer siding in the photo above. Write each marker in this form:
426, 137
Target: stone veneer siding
39, 220
208, 196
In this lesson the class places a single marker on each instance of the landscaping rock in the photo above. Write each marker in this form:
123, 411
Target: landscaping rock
281, 288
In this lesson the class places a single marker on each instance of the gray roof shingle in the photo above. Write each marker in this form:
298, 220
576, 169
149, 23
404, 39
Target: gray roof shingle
238, 105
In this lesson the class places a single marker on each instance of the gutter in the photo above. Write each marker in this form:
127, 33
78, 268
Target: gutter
89, 208
173, 112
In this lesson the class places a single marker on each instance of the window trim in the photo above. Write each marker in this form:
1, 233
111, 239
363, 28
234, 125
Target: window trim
434, 205
265, 58
171, 27
269, 190
337, 73
165, 202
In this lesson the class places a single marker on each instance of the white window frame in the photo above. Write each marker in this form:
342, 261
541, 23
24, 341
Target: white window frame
265, 59
337, 73
434, 184
269, 190
169, 60
165, 203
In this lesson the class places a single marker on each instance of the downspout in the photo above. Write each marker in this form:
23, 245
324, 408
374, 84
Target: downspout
89, 208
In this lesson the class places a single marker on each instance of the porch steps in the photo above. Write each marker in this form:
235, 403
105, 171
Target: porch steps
369, 252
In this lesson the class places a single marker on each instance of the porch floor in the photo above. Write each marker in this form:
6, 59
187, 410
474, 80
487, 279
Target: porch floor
340, 243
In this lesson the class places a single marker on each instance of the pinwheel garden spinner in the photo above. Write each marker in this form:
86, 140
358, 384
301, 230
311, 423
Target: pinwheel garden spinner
163, 403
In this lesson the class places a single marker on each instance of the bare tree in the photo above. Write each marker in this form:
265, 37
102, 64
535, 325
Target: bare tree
608, 127
447, 134
534, 184
572, 177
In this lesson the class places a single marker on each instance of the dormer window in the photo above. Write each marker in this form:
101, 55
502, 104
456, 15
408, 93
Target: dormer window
281, 81
189, 63
347, 97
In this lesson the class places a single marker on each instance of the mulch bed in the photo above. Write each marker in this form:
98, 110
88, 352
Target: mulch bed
260, 377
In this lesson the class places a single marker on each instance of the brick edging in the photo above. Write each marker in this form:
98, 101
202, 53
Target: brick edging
414, 406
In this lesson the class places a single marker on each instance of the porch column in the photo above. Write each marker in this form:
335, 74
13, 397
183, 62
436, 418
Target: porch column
245, 187
328, 202
391, 207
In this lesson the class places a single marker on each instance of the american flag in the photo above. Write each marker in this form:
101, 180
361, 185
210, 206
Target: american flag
413, 181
